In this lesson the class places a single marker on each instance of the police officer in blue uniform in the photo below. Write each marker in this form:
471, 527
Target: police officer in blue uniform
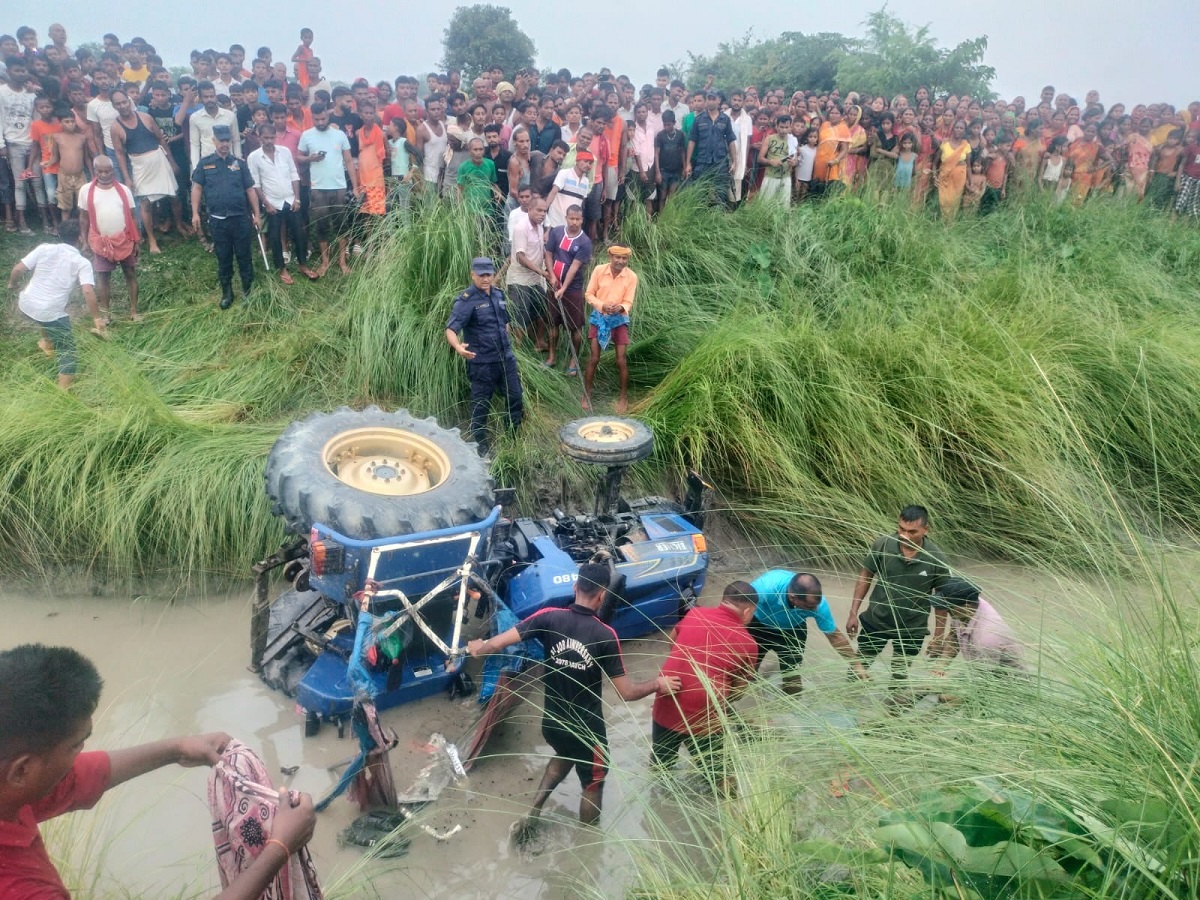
480, 313
232, 203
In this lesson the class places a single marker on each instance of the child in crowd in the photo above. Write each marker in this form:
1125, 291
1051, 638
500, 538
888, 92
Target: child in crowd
806, 158
996, 171
976, 185
41, 132
1051, 176
300, 58
69, 156
906, 161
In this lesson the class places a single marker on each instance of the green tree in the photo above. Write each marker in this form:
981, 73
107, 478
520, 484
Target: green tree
792, 60
894, 58
483, 35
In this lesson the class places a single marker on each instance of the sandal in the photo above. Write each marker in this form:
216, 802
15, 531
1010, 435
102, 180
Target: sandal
572, 371
366, 832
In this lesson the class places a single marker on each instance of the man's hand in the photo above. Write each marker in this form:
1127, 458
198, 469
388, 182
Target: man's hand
255, 219
658, 177
294, 824
271, 210
475, 647
852, 625
462, 351
202, 749
668, 684
687, 172
196, 222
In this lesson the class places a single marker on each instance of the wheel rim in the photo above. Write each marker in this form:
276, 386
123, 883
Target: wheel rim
388, 461
609, 431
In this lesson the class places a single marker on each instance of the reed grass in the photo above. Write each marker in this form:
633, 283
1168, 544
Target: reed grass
821, 366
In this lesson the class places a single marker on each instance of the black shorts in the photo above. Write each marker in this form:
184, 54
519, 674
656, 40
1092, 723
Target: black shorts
527, 304
707, 749
327, 212
590, 756
905, 641
670, 180
787, 645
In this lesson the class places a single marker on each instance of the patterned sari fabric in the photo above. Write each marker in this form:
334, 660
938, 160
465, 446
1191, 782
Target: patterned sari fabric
1085, 174
952, 176
1137, 163
243, 804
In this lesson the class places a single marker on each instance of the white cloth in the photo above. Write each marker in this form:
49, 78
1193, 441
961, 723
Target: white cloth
274, 177
201, 137
807, 158
16, 116
104, 114
743, 126
56, 269
110, 216
529, 239
514, 221
153, 178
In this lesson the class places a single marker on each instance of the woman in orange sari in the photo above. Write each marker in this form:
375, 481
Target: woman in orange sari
925, 161
854, 170
1088, 160
951, 176
833, 142
1138, 151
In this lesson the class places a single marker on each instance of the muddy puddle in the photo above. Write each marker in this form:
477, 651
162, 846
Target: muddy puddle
176, 668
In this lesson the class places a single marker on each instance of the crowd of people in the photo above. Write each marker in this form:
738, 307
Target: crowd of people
547, 160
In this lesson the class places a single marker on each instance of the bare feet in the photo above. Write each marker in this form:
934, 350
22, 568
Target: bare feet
309, 273
620, 406
46, 347
323, 268
135, 317
586, 404
285, 276
344, 266
154, 248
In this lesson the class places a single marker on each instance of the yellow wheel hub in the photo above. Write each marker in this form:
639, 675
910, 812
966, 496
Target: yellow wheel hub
606, 432
388, 461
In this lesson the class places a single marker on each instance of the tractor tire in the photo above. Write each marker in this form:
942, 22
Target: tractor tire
606, 440
370, 474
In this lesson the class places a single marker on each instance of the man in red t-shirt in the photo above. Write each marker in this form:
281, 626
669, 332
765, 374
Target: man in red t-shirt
713, 657
46, 707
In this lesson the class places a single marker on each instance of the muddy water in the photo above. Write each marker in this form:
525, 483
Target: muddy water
176, 668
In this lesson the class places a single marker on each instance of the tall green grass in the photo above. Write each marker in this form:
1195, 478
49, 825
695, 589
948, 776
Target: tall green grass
821, 366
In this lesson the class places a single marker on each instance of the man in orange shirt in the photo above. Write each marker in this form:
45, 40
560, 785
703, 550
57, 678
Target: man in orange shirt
610, 293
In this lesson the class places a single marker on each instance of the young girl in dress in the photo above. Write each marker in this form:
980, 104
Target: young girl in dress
976, 185
1051, 175
806, 157
906, 161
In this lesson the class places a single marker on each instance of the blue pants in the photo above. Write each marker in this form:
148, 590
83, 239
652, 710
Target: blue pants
486, 380
231, 238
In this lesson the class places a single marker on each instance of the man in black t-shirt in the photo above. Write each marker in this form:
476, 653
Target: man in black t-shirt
344, 118
670, 146
580, 650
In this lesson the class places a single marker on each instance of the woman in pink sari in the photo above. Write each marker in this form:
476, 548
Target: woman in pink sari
854, 170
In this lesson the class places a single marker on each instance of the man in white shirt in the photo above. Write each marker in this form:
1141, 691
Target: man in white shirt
203, 120
106, 209
743, 127
277, 181
101, 114
527, 273
16, 120
571, 187
56, 269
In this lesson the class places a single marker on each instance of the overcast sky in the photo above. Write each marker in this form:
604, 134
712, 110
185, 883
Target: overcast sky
1073, 45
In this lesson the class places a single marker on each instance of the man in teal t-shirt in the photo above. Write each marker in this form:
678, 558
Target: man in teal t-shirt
477, 179
786, 601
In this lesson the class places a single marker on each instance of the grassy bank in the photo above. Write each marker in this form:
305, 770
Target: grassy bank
1027, 376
